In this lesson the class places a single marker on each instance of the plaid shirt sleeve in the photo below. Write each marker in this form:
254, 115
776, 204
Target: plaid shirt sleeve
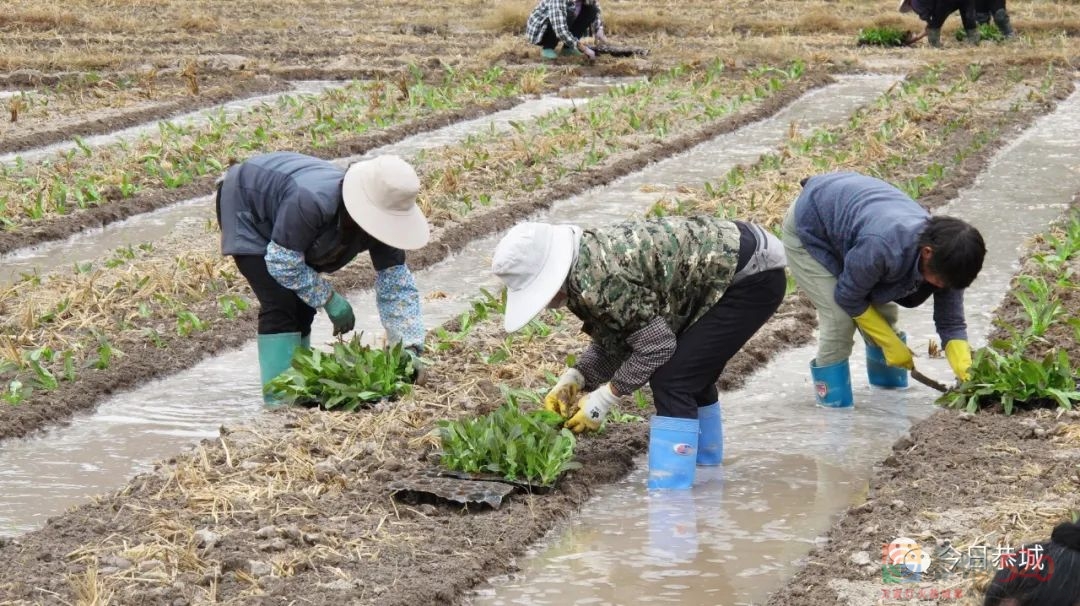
599, 23
551, 12
651, 347
596, 366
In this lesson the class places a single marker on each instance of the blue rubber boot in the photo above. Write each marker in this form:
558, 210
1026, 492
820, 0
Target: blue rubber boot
672, 453
881, 374
549, 54
275, 357
832, 384
710, 435
305, 341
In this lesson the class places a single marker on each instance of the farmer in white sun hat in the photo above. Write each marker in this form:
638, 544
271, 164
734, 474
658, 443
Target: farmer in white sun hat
286, 218
666, 301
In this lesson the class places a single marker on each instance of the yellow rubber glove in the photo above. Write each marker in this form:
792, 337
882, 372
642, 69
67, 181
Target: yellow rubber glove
874, 326
562, 397
592, 409
958, 352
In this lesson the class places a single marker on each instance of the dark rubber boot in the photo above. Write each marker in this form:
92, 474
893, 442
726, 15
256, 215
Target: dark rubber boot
981, 18
933, 35
972, 37
1001, 20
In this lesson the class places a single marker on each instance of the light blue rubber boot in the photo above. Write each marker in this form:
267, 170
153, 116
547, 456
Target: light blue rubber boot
832, 384
881, 374
672, 453
275, 357
710, 435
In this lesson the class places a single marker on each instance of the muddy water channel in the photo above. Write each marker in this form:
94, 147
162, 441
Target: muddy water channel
740, 532
98, 452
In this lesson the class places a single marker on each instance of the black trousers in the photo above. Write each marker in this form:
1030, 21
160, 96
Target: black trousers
944, 8
688, 379
988, 6
280, 310
579, 26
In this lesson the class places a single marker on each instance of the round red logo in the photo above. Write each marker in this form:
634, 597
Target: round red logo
683, 449
822, 389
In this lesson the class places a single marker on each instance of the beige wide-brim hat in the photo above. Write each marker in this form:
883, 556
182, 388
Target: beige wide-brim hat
533, 260
380, 195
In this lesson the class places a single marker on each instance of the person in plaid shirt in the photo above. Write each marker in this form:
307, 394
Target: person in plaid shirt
565, 20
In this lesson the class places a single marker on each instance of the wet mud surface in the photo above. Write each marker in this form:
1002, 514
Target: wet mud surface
143, 361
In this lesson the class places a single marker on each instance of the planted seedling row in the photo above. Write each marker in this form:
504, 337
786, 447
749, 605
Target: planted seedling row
1031, 362
178, 154
494, 167
915, 135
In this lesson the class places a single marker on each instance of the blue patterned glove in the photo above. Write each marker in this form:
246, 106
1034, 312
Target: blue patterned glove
398, 301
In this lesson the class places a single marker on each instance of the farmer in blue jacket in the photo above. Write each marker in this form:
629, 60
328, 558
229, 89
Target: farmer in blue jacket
858, 247
286, 218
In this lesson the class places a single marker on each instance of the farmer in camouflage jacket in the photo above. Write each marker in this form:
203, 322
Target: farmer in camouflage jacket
666, 301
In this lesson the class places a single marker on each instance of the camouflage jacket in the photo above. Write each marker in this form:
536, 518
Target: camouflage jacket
627, 275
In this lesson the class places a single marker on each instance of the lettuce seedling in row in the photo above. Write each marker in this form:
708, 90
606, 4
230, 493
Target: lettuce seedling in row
515, 444
350, 376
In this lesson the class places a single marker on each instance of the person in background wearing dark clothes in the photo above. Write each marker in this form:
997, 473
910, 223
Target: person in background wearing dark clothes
985, 9
934, 13
286, 218
567, 21
1044, 574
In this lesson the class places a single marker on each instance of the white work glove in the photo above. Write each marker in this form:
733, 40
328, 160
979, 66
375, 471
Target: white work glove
561, 398
590, 53
592, 410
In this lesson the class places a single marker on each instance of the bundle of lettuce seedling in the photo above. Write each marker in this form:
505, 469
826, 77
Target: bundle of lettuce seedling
351, 376
886, 36
517, 445
1012, 377
986, 32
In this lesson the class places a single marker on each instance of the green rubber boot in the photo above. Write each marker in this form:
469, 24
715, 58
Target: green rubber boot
549, 53
275, 357
570, 51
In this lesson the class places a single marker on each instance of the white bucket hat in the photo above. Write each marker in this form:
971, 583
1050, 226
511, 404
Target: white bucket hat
533, 260
380, 195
